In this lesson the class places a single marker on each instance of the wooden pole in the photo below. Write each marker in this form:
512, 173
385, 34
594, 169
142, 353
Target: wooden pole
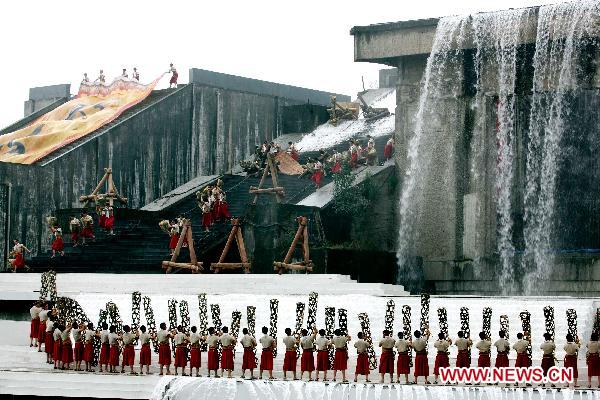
242, 249
262, 181
290, 252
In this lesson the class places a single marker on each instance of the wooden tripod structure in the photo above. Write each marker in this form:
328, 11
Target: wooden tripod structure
193, 265
277, 190
236, 233
111, 194
306, 265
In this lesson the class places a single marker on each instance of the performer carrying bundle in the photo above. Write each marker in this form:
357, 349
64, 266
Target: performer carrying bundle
388, 150
174, 76
18, 252
58, 245
88, 226
75, 226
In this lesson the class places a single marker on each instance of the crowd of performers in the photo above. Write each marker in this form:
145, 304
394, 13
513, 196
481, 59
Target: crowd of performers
71, 342
212, 200
135, 76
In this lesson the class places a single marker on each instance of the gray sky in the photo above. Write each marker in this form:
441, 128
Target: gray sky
305, 43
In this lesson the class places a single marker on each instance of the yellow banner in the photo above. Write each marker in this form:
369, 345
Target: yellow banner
95, 106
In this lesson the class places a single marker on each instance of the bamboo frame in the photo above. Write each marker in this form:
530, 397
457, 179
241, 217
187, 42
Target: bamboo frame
193, 265
306, 265
235, 233
111, 193
276, 189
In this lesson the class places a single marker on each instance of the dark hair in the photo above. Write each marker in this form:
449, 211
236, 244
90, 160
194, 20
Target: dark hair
224, 329
594, 336
163, 325
127, 329
441, 336
400, 335
104, 326
547, 336
337, 332
569, 337
193, 329
417, 334
113, 329
74, 324
304, 332
359, 335
211, 330
288, 331
519, 335
482, 335
502, 334
245, 331
322, 332
265, 330
143, 329
90, 326
386, 332
461, 334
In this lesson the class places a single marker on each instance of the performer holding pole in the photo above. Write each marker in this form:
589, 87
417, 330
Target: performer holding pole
502, 347
340, 362
248, 361
362, 362
290, 359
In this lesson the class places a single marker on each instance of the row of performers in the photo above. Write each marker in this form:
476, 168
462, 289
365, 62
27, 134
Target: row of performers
212, 200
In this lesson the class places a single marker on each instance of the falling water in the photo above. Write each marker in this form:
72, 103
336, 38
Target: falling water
443, 76
561, 31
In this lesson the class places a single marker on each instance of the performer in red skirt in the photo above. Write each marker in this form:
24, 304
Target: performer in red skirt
354, 150
104, 348
340, 360
103, 214
228, 344
388, 150
128, 339
42, 328
421, 362
49, 339
66, 351
317, 176
88, 348
593, 359
248, 361
266, 358
441, 359
88, 226
291, 150
78, 332
523, 360
34, 311
18, 262
206, 215
483, 346
58, 245
57, 335
307, 362
181, 341
75, 226
109, 223
290, 359
145, 353
571, 348
362, 362
213, 354
463, 358
502, 347
403, 363
223, 206
174, 236
164, 348
115, 352
548, 348
386, 361
322, 344
174, 76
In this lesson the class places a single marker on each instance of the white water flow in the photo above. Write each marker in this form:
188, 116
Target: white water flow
442, 78
561, 31
496, 37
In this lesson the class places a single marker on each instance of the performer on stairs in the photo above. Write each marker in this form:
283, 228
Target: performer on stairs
248, 361
88, 227
58, 245
206, 215
291, 150
388, 150
75, 226
318, 173
18, 261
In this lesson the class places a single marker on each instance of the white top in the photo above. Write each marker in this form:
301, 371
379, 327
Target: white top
402, 345
593, 346
227, 340
419, 344
289, 342
179, 338
340, 342
43, 315
66, 334
361, 345
104, 336
267, 342
387, 343
195, 338
49, 325
521, 345
35, 312
322, 343
441, 345
89, 334
548, 347
145, 338
571, 348
128, 338
502, 345
113, 338
307, 342
162, 336
484, 346
56, 334
462, 343
248, 341
212, 341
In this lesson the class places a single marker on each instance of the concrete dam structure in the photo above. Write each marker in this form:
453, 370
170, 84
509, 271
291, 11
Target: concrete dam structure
496, 131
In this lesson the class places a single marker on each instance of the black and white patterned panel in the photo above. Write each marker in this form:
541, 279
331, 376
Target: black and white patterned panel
365, 327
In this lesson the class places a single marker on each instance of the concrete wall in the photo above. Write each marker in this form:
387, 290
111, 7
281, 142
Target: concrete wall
41, 97
388, 78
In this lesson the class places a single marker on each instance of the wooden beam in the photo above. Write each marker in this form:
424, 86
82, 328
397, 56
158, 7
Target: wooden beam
233, 265
277, 190
279, 266
194, 267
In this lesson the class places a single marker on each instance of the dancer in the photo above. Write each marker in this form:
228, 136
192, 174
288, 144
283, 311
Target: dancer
181, 341
195, 357
523, 360
145, 353
124, 74
164, 348
78, 337
206, 215
75, 226
174, 234
58, 245
213, 355
128, 339
41, 338
266, 359
57, 339
386, 361
441, 359
362, 362
101, 77
34, 311
388, 150
502, 347
322, 344
248, 361
115, 352
174, 76
483, 346
593, 360
104, 348
109, 220
307, 362
228, 343
135, 75
85, 79
547, 348
89, 334
340, 361
223, 206
291, 150
49, 339
18, 262
354, 150
290, 359
403, 364
337, 162
571, 348
463, 359
317, 175
421, 363
88, 227
66, 351
371, 152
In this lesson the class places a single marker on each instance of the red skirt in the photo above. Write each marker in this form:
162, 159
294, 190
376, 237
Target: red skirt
441, 361
266, 360
421, 365
462, 359
386, 362
336, 168
110, 222
206, 219
502, 360
354, 158
224, 210
316, 177
164, 354
227, 358
104, 354
57, 350
66, 353
213, 360
322, 360
307, 362
42, 332
88, 352
145, 355
102, 221
173, 241
49, 343
547, 362
215, 213
19, 262
87, 232
34, 329
289, 361
195, 359
387, 151
362, 364
180, 356
78, 352
114, 355
248, 361
294, 155
484, 360
74, 237
173, 79
523, 360
128, 356
571, 362
403, 363
593, 363
340, 361
58, 244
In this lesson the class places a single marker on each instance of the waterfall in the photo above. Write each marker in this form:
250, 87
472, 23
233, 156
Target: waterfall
561, 31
